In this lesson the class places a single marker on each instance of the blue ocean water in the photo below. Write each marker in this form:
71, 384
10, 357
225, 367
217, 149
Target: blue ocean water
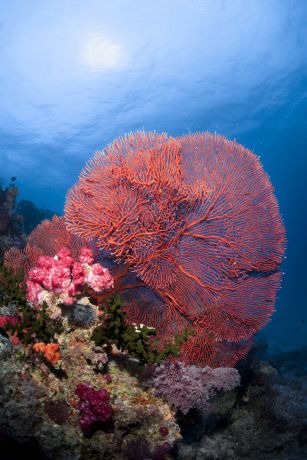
76, 74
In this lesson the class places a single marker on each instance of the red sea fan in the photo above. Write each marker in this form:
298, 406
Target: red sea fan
47, 239
21, 259
196, 219
50, 236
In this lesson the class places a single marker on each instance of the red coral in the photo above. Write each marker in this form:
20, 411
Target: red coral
9, 320
45, 240
50, 236
196, 219
6, 320
21, 259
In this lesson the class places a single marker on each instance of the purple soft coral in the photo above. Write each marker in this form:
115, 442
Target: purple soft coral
191, 387
94, 406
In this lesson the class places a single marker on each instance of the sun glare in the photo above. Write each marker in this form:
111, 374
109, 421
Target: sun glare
101, 53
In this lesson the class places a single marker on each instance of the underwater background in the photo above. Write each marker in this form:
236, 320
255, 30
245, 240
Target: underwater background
77, 74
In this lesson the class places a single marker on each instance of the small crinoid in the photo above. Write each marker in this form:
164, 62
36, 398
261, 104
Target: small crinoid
196, 220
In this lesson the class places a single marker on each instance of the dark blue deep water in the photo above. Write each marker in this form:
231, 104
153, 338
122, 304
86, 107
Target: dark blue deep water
75, 74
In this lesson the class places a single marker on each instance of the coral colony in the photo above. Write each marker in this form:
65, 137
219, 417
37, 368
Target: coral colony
64, 277
166, 263
94, 406
195, 218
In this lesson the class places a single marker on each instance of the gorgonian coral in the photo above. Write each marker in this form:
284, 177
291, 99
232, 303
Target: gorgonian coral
196, 219
49, 237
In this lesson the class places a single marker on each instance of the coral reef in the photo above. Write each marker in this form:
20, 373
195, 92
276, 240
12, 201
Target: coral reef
76, 399
121, 324
39, 404
147, 412
265, 418
195, 218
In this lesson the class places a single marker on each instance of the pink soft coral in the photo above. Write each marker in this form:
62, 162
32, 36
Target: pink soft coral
64, 277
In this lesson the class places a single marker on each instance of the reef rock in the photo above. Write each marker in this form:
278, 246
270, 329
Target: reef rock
38, 405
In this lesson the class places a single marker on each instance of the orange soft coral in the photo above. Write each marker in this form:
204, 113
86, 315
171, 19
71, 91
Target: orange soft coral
50, 351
